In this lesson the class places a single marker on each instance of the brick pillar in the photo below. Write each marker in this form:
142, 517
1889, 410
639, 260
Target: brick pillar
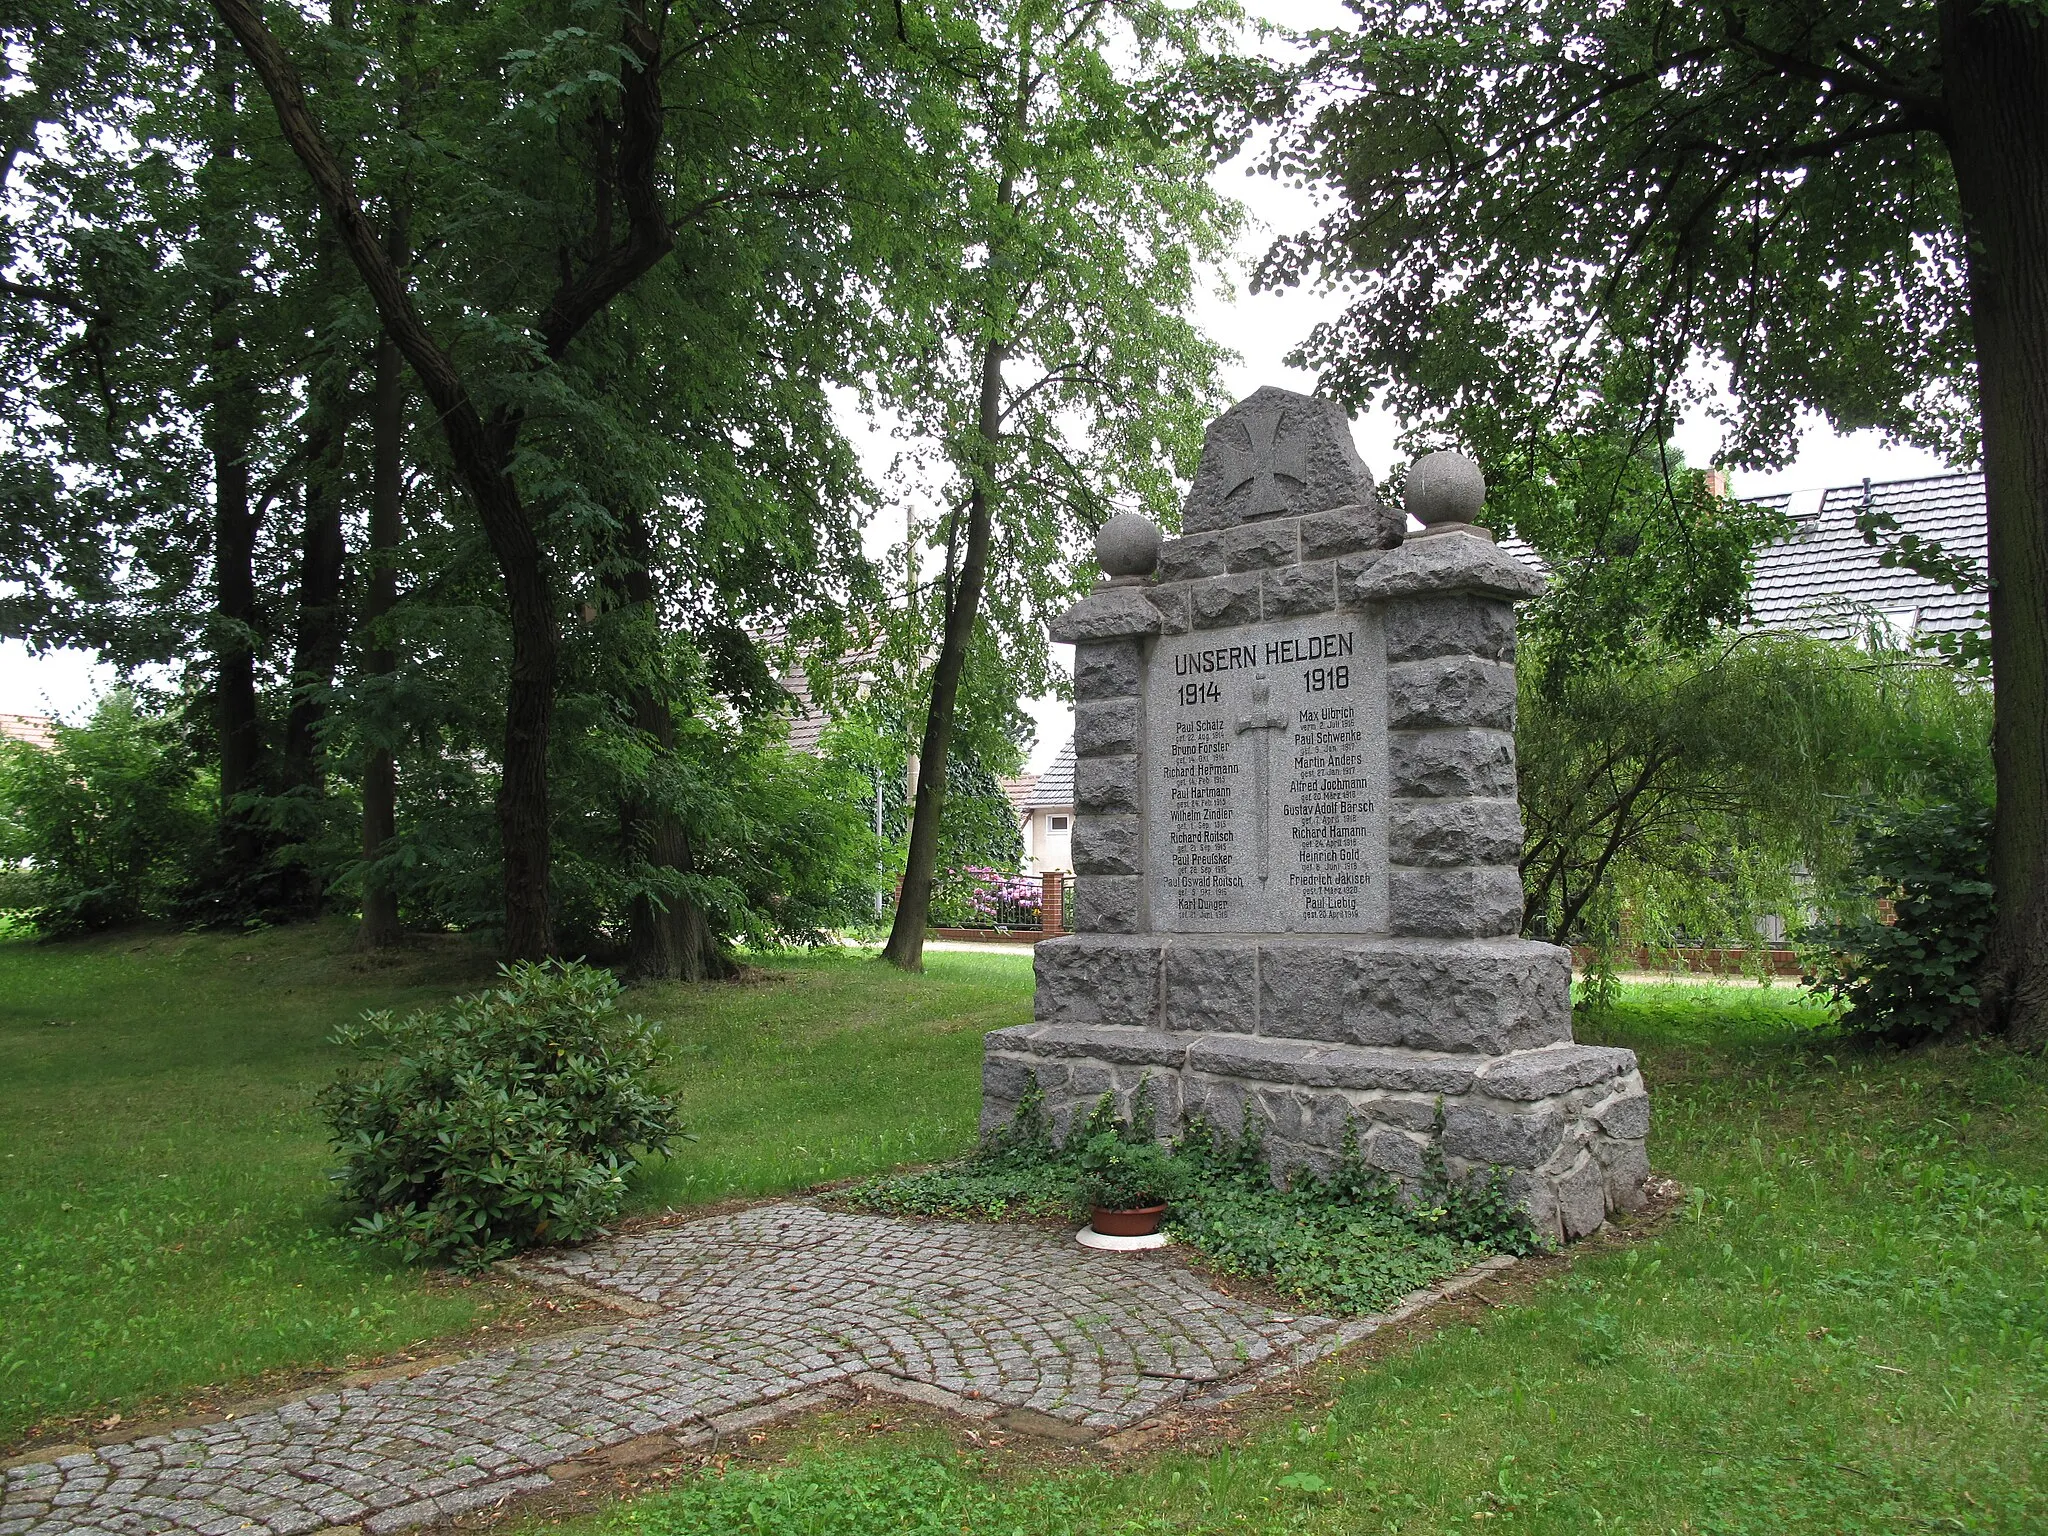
1051, 908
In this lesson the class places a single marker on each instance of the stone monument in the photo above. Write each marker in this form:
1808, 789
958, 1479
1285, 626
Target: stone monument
1296, 838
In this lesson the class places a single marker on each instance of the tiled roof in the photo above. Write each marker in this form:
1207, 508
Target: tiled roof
33, 729
1827, 581
1055, 786
1019, 790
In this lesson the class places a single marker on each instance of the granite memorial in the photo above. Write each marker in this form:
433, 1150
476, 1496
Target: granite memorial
1296, 838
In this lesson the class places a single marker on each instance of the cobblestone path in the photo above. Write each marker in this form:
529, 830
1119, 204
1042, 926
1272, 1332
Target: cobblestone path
739, 1311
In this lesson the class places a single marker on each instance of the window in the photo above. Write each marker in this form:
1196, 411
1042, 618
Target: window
1056, 823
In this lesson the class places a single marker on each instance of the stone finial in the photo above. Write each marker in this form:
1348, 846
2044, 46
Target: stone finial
1275, 454
1444, 489
1127, 546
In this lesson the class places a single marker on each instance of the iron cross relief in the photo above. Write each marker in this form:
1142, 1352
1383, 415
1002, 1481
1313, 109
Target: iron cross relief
1263, 717
1262, 458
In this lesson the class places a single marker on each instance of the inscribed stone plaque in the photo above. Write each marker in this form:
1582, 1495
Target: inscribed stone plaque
1266, 792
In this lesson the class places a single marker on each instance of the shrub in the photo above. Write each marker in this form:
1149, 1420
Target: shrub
1122, 1174
1917, 975
104, 827
503, 1120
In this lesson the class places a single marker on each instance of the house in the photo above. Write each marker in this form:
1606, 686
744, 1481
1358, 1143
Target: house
33, 729
1826, 580
1048, 818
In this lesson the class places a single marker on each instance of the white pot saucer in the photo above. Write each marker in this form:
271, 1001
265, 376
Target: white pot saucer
1088, 1237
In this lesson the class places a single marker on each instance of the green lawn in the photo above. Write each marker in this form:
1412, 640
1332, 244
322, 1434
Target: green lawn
1846, 1330
165, 1222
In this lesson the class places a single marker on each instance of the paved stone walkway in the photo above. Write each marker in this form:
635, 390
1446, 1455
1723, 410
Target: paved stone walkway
742, 1316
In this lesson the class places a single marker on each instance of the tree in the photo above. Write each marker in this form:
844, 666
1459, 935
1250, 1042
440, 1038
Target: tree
1562, 217
1676, 795
1059, 375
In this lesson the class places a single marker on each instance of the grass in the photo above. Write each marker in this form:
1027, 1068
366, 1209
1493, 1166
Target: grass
1845, 1329
165, 1220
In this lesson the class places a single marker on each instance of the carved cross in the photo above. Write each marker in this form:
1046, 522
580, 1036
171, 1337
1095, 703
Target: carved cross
1263, 717
1260, 459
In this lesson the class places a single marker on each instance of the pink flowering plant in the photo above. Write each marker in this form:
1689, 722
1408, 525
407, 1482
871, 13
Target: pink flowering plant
978, 896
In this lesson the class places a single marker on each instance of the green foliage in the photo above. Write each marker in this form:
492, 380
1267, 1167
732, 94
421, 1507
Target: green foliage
901, 1493
105, 827
1120, 1173
1916, 976
508, 1118
1556, 221
1350, 1243
1678, 796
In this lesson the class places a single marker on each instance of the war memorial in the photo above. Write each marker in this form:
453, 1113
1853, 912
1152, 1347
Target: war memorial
1297, 839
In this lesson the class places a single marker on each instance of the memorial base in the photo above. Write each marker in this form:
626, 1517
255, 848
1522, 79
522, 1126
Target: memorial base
1407, 1043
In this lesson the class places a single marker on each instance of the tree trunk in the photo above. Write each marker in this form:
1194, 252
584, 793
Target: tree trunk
671, 941
316, 645
481, 448
230, 428
963, 607
380, 927
1995, 84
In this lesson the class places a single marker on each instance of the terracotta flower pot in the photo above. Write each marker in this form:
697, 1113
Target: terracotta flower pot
1139, 1221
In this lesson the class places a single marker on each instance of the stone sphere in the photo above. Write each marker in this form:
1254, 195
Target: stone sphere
1128, 545
1444, 487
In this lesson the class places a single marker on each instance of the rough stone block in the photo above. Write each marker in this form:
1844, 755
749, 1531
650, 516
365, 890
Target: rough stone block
1109, 904
1349, 530
1450, 691
1626, 1167
1225, 600
1107, 728
1088, 1081
1557, 1069
1394, 1152
1212, 987
1489, 996
1308, 1064
1254, 546
1187, 559
1172, 603
1296, 591
1109, 845
1480, 1133
1349, 569
1467, 763
1449, 562
1115, 1044
1478, 902
1108, 671
1089, 979
1310, 462
1537, 1197
1220, 1101
1113, 613
1582, 1198
1108, 785
1626, 1116
1006, 1079
1420, 627
1442, 833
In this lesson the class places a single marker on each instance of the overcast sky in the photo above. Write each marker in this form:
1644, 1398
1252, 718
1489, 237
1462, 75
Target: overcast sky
1262, 331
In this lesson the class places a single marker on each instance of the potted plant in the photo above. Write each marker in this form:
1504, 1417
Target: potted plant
1128, 1184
